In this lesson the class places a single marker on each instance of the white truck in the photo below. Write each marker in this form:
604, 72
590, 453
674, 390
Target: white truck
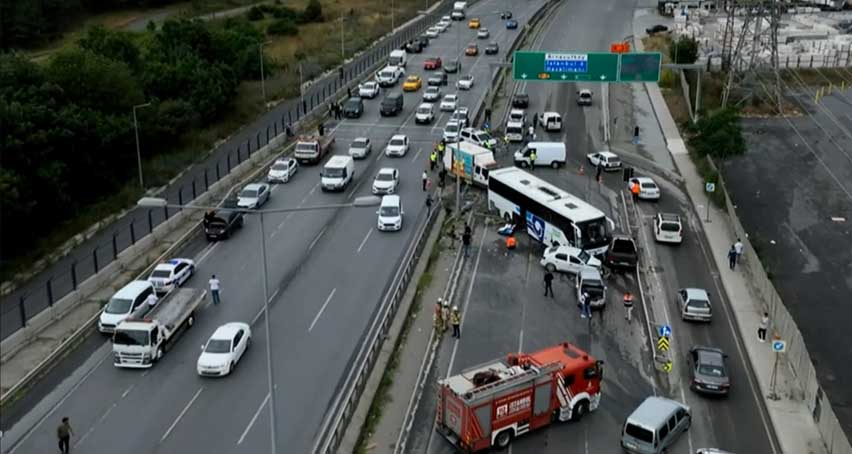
311, 149
459, 6
144, 337
469, 161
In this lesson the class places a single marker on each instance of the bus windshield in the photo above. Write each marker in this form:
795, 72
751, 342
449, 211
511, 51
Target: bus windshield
593, 233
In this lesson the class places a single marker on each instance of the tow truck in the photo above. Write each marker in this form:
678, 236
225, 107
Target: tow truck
144, 337
311, 149
490, 404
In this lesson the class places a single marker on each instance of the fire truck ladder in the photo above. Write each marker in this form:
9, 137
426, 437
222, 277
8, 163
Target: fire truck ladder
564, 396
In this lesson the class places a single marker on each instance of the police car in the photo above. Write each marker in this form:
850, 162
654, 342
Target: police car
170, 274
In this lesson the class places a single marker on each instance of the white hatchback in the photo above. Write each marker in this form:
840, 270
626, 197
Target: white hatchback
397, 146
390, 214
386, 181
568, 259
648, 189
668, 228
220, 355
465, 82
607, 160
449, 103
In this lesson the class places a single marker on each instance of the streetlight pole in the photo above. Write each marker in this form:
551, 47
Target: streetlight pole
393, 17
138, 151
365, 201
342, 45
262, 76
301, 88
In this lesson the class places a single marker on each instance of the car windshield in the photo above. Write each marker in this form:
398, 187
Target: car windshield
333, 172
424, 110
452, 128
484, 137
433, 90
624, 246
386, 73
514, 129
639, 433
516, 117
389, 211
130, 337
699, 304
649, 186
118, 306
711, 370
593, 233
368, 86
413, 79
384, 177
669, 227
353, 103
306, 146
397, 142
584, 256
279, 166
248, 193
359, 144
218, 346
161, 274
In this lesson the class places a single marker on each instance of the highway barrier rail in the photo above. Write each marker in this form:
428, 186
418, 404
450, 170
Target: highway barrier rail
46, 289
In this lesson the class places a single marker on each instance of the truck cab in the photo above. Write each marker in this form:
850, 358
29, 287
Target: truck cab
311, 149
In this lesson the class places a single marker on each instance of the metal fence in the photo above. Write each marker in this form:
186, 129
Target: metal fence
63, 278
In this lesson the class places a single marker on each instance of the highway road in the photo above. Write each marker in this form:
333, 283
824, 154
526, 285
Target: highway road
328, 272
505, 310
34, 291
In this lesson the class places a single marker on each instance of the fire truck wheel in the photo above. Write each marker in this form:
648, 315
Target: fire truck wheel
504, 438
580, 411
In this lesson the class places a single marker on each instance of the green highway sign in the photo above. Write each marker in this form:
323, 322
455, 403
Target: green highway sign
586, 66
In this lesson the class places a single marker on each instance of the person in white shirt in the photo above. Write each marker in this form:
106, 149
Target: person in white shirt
151, 300
738, 247
214, 289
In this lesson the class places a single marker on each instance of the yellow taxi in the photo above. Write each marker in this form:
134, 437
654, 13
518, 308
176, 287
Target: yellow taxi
473, 23
412, 83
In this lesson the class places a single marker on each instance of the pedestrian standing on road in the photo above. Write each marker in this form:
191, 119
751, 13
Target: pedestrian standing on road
289, 130
738, 246
535, 121
152, 300
428, 205
63, 433
598, 171
442, 175
425, 178
445, 314
488, 115
348, 92
467, 229
321, 129
338, 111
455, 319
732, 257
437, 317
628, 306
428, 184
548, 283
585, 305
433, 160
214, 289
636, 135
634, 190
466, 243
533, 157
531, 133
764, 325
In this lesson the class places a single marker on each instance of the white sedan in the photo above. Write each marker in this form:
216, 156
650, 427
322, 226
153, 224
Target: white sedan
433, 32
568, 259
220, 355
449, 103
360, 148
368, 90
282, 170
648, 189
386, 181
170, 274
483, 33
465, 82
607, 160
253, 195
397, 145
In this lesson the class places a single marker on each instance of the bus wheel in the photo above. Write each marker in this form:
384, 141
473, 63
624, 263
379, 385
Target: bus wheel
503, 439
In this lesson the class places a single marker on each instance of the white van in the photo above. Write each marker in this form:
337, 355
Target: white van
390, 214
655, 425
398, 58
550, 121
124, 303
551, 154
337, 173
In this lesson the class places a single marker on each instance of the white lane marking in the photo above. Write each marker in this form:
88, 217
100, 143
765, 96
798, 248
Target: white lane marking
253, 419
330, 295
272, 297
103, 416
466, 302
206, 253
61, 401
355, 189
419, 150
314, 242
364, 241
183, 412
689, 437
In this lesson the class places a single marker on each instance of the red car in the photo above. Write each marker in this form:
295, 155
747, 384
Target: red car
432, 63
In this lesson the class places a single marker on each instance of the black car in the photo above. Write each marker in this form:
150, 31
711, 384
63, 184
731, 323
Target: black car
353, 108
437, 79
492, 48
506, 15
659, 28
511, 24
414, 47
521, 101
423, 40
452, 66
621, 253
220, 224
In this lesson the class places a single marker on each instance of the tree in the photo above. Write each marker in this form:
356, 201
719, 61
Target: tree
283, 27
93, 81
115, 45
684, 50
312, 12
718, 134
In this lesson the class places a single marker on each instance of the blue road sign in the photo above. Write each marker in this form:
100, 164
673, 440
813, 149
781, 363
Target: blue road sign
665, 331
779, 346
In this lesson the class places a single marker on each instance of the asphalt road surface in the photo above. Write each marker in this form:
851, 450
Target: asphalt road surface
505, 310
35, 291
328, 271
793, 194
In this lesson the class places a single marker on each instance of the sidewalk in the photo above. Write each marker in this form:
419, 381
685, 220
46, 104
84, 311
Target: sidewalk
795, 428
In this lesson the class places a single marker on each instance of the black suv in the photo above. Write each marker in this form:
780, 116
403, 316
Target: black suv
220, 224
353, 108
622, 252
521, 101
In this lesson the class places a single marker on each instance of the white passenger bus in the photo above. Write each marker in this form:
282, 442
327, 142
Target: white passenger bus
553, 216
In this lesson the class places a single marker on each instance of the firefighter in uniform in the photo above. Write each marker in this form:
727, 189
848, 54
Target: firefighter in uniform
445, 314
455, 319
437, 318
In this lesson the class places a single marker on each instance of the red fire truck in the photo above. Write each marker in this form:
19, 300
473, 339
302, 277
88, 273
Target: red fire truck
490, 404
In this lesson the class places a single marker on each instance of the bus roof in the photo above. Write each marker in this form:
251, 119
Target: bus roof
558, 200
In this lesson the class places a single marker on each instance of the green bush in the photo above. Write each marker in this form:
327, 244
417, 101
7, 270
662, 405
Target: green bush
667, 78
312, 12
684, 50
283, 12
254, 14
283, 27
718, 134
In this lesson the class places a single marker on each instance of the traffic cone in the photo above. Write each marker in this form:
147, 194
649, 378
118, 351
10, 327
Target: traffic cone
582, 170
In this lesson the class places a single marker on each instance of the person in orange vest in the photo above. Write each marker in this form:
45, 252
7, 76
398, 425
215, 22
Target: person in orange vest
634, 189
511, 243
628, 306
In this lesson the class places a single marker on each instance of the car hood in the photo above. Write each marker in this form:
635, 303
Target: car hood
712, 380
594, 262
112, 319
390, 219
213, 359
247, 201
381, 184
357, 150
277, 173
